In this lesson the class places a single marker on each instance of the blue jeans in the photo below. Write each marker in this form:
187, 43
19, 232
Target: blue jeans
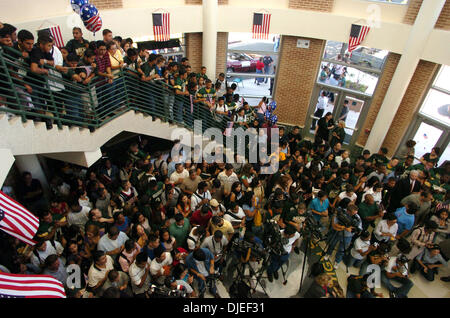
350, 261
74, 107
209, 282
344, 243
266, 71
403, 290
259, 79
276, 262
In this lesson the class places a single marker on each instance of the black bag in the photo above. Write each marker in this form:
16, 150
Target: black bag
239, 289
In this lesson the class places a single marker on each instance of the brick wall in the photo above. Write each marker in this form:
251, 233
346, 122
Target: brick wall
378, 97
413, 10
412, 100
315, 5
221, 2
296, 77
107, 4
194, 47
443, 21
444, 18
221, 61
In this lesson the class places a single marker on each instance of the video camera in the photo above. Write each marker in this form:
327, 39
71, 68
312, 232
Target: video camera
242, 247
165, 292
346, 220
273, 240
311, 227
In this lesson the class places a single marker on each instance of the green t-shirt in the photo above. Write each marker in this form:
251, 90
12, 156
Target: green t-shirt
365, 210
180, 233
200, 75
207, 93
132, 66
149, 70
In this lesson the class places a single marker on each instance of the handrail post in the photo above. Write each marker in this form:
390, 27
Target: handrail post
55, 108
11, 83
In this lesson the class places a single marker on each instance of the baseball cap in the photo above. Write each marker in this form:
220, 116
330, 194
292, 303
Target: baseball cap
214, 203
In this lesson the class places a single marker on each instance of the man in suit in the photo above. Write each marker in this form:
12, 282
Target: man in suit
403, 188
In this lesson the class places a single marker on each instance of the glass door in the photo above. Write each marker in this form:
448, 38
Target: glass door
349, 110
426, 138
324, 102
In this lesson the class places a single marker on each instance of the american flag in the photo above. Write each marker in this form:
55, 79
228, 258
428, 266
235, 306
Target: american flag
30, 286
357, 35
261, 26
16, 220
161, 26
55, 32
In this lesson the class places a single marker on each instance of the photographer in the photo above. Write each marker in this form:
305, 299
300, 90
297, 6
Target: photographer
216, 244
201, 264
397, 269
276, 261
344, 226
361, 248
429, 261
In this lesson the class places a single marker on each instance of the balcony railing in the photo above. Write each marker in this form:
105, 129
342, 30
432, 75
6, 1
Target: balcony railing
55, 99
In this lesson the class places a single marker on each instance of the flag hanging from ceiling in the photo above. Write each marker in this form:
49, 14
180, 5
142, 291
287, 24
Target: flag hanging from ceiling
357, 35
261, 26
56, 34
161, 26
30, 286
16, 220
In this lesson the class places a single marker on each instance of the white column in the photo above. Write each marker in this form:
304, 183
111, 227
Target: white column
31, 164
415, 45
210, 16
6, 161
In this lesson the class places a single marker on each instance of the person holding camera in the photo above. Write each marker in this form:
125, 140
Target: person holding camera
344, 226
428, 262
361, 248
397, 270
216, 244
201, 265
292, 236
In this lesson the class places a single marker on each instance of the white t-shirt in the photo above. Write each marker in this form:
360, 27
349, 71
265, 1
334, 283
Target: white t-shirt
377, 196
136, 273
106, 244
322, 103
175, 175
156, 267
49, 250
202, 268
344, 195
95, 275
393, 262
383, 227
79, 218
240, 215
359, 245
222, 108
191, 243
188, 287
288, 246
196, 198
214, 247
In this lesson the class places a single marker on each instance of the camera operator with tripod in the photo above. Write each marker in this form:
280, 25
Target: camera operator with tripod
344, 226
289, 239
201, 265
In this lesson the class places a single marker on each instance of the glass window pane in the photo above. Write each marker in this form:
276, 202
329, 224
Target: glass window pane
437, 105
443, 79
348, 77
241, 62
362, 56
426, 138
248, 86
244, 42
445, 156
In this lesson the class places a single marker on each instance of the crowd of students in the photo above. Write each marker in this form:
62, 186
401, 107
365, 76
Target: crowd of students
143, 219
96, 67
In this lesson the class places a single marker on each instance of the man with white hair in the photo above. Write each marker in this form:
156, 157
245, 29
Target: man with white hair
403, 188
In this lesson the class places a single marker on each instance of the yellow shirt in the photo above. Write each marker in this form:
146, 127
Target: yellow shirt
116, 59
226, 228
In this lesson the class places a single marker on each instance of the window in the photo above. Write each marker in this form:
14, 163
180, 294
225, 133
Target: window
251, 65
437, 101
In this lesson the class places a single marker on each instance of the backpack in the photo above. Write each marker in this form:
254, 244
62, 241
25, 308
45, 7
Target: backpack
117, 265
159, 173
